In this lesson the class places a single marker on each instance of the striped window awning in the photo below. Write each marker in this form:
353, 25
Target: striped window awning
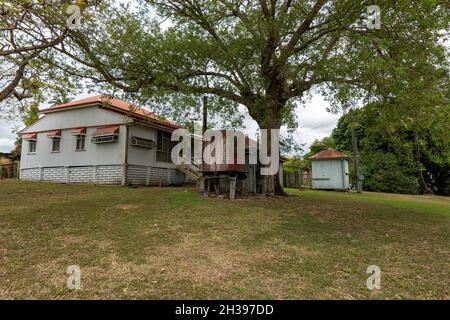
29, 136
78, 131
106, 131
54, 134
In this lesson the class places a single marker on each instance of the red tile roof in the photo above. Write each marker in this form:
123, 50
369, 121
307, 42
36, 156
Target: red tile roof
116, 105
329, 154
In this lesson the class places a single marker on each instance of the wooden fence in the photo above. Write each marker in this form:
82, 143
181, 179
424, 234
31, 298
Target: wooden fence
297, 180
9, 171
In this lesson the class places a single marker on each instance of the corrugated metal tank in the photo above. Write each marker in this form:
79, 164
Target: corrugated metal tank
232, 167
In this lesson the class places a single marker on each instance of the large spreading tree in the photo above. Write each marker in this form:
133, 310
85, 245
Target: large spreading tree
265, 55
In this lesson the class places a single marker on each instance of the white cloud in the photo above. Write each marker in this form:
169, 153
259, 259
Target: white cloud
7, 137
315, 122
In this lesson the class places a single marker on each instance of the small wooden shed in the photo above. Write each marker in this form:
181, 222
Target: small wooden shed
244, 177
330, 170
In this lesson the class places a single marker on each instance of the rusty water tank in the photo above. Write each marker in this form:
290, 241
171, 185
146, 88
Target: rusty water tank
232, 167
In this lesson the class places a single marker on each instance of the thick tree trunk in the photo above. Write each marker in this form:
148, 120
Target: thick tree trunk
270, 184
279, 191
268, 110
267, 184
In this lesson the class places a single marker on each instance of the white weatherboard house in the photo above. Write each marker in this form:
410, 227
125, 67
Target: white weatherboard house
330, 170
100, 140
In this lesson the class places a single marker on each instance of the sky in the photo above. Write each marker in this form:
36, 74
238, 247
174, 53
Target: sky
314, 123
6, 136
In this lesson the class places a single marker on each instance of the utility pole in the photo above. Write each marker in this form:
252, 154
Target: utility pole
205, 106
205, 114
356, 160
205, 122
201, 181
204, 128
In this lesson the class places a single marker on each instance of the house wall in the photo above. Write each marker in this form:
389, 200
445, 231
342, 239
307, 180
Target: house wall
94, 154
99, 163
143, 169
330, 174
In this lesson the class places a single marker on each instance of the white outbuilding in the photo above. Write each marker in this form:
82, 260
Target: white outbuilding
330, 170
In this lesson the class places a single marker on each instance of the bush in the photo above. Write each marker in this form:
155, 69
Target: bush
383, 173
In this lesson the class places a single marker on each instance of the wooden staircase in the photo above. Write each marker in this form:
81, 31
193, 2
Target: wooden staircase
191, 170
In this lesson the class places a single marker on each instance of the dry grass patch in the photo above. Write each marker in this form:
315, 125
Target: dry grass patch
173, 243
127, 206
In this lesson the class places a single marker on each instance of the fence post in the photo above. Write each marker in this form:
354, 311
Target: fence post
301, 179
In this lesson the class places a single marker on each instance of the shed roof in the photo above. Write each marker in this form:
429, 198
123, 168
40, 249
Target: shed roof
329, 153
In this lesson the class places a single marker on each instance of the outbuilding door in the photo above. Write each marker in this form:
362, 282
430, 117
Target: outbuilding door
321, 174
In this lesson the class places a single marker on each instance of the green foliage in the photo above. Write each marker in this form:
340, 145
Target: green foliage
30, 114
288, 146
32, 34
402, 149
296, 164
320, 145
384, 173
264, 56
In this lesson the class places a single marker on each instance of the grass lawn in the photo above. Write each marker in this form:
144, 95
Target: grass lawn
161, 243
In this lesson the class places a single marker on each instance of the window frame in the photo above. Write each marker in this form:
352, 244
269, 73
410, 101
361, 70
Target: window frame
30, 143
145, 143
54, 139
110, 138
164, 146
80, 137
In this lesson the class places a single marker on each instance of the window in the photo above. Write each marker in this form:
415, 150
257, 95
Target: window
164, 146
80, 142
32, 146
56, 144
105, 139
105, 135
143, 143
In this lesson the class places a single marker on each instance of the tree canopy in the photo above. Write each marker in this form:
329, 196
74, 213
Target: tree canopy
264, 55
409, 153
